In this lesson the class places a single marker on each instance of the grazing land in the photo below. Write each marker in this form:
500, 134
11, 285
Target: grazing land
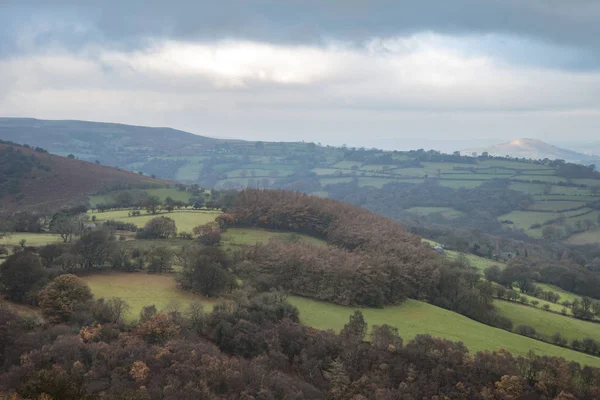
411, 318
548, 323
186, 220
415, 317
31, 239
141, 289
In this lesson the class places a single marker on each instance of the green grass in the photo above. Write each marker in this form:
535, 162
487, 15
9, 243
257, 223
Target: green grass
252, 236
556, 205
32, 239
185, 220
564, 295
415, 317
529, 188
162, 193
141, 289
445, 211
457, 184
589, 182
190, 172
333, 181
543, 178
411, 318
547, 323
514, 165
589, 237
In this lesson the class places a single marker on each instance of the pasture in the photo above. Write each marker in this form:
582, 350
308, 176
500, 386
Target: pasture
141, 289
162, 193
444, 211
548, 323
414, 317
186, 220
31, 239
589, 237
252, 236
411, 318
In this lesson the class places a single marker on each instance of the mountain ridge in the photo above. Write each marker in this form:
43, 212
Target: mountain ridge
532, 149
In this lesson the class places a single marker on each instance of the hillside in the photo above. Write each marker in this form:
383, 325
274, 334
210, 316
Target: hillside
38, 180
425, 190
533, 149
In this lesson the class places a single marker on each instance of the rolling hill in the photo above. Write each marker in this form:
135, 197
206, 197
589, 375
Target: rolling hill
34, 179
533, 149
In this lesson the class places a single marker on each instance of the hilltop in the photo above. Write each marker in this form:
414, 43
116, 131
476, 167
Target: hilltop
34, 179
532, 149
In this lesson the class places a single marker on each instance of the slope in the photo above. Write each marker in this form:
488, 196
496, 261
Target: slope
46, 181
531, 149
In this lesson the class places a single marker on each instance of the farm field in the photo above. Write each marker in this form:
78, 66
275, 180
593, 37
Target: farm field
252, 236
548, 323
445, 211
141, 289
411, 318
556, 205
415, 317
589, 237
31, 239
185, 220
564, 295
162, 193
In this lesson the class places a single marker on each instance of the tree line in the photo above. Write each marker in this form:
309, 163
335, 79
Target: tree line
252, 347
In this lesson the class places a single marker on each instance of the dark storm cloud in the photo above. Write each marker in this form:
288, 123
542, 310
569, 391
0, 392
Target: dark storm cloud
572, 25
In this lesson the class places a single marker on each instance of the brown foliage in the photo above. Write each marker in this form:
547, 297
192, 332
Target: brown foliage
375, 256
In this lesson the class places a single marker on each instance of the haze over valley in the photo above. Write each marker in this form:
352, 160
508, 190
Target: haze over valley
299, 200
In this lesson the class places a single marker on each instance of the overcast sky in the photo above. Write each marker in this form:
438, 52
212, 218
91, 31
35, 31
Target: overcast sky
391, 74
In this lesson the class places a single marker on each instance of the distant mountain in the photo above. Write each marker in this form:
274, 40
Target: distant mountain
33, 179
533, 149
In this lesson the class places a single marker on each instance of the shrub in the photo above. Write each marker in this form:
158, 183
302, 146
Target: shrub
525, 330
158, 228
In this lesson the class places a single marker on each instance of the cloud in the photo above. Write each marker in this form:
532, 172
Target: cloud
314, 70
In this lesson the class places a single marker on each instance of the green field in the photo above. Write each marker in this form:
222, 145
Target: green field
547, 323
185, 220
415, 317
458, 184
444, 211
556, 205
31, 239
190, 172
252, 236
141, 289
411, 318
161, 193
590, 237
564, 295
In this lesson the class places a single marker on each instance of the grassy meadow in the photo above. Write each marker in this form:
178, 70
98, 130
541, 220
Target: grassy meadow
415, 317
548, 323
186, 220
31, 239
140, 289
411, 318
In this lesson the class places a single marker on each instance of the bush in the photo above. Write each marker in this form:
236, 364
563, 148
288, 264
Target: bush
62, 297
120, 226
158, 228
559, 340
525, 330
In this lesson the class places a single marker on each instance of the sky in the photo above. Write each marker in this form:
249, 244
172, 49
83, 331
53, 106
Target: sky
388, 74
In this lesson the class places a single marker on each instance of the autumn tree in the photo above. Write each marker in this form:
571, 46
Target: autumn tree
62, 297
